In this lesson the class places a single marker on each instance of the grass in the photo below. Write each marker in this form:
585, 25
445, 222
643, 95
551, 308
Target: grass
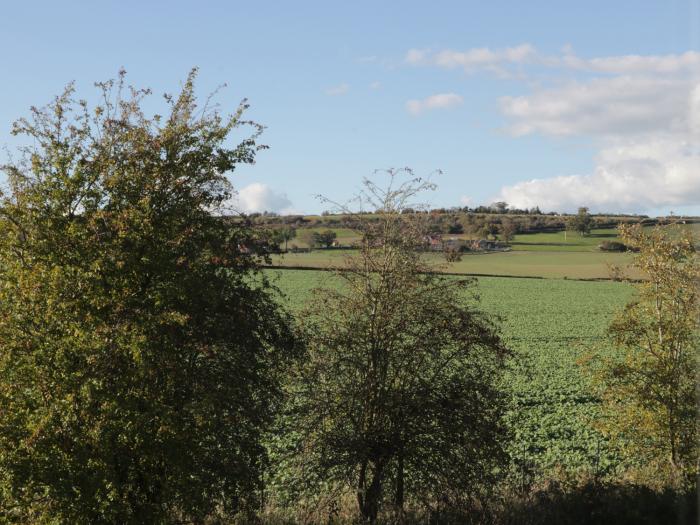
559, 255
563, 241
346, 236
550, 325
545, 264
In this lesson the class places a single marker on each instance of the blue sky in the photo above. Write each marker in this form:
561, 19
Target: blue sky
589, 103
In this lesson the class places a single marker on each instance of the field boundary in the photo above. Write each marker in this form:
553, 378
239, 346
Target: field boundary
457, 274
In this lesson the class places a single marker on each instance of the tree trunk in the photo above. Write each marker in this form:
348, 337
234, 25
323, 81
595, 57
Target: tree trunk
361, 487
399, 500
369, 498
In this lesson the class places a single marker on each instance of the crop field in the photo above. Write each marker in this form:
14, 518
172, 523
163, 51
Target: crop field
549, 324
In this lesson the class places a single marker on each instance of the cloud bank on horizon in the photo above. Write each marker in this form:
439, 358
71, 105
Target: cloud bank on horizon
643, 112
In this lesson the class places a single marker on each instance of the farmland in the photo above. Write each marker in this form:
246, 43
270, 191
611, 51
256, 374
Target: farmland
562, 264
549, 324
558, 254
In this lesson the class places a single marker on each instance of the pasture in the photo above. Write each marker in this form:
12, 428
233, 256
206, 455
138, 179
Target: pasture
549, 324
572, 264
559, 255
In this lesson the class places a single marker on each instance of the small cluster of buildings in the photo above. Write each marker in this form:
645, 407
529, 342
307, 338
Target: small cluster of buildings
439, 243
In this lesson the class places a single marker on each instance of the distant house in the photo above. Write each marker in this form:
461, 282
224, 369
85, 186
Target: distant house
438, 243
484, 245
433, 242
454, 244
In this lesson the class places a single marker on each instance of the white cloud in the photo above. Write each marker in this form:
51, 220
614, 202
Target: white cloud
416, 56
340, 89
439, 101
642, 110
494, 59
258, 197
601, 106
471, 59
630, 176
634, 64
375, 85
649, 132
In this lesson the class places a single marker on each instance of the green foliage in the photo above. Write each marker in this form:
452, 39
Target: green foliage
283, 234
397, 399
582, 222
552, 401
508, 230
489, 230
138, 367
452, 254
612, 246
325, 238
650, 388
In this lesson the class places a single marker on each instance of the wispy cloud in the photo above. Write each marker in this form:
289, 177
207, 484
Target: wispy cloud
471, 59
340, 89
439, 101
485, 58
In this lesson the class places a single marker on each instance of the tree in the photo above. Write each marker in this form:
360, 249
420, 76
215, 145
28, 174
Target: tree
581, 222
455, 227
500, 207
140, 347
452, 254
489, 229
649, 391
325, 238
508, 229
397, 398
286, 234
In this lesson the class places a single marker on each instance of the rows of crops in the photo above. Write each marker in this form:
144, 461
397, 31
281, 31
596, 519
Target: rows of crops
550, 324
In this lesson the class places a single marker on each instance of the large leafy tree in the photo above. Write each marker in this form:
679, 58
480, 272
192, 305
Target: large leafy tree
650, 389
397, 401
582, 222
138, 349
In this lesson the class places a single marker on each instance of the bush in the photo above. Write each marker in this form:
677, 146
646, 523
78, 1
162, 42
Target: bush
452, 254
612, 246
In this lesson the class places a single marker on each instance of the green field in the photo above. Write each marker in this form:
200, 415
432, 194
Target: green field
558, 255
563, 241
549, 255
550, 324
345, 236
560, 264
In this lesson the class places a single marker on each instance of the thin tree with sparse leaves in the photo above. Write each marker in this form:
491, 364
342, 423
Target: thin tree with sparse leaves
397, 399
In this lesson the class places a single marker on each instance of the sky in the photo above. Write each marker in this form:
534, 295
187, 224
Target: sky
538, 103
